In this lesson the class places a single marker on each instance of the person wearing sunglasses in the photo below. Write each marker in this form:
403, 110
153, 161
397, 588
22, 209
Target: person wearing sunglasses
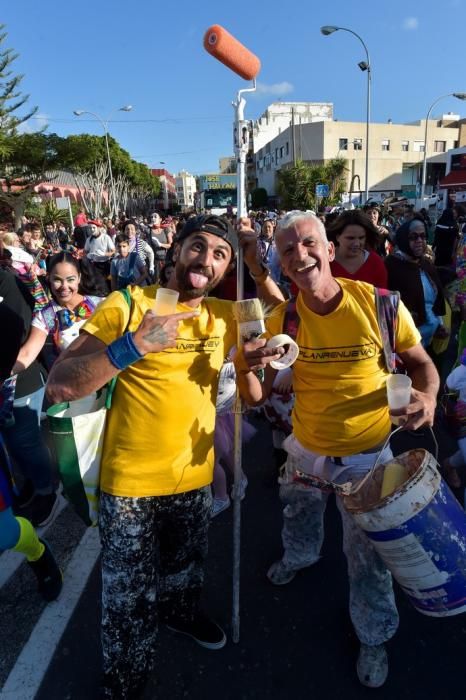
417, 280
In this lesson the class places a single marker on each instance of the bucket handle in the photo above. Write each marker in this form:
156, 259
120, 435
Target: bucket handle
370, 473
348, 489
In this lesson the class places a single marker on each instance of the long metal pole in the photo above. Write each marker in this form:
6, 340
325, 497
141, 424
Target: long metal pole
241, 144
368, 120
368, 104
424, 160
112, 186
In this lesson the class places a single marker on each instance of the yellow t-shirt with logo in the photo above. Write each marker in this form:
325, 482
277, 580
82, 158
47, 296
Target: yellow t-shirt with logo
160, 429
339, 377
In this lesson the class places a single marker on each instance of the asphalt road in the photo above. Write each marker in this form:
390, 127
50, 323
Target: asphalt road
296, 640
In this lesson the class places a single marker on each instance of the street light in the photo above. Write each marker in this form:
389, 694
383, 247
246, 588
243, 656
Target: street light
126, 108
459, 96
364, 66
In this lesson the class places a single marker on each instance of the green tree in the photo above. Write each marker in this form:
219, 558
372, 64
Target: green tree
296, 185
30, 159
259, 198
11, 99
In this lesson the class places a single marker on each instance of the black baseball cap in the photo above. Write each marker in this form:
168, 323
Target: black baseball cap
210, 224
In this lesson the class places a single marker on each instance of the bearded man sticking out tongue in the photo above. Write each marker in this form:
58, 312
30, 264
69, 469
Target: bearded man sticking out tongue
157, 460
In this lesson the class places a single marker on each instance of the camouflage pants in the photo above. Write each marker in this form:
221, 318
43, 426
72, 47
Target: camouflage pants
372, 603
153, 553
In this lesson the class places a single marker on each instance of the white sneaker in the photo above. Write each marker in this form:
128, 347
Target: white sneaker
219, 505
372, 666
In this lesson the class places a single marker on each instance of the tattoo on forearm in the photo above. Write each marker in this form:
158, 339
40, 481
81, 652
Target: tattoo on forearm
157, 335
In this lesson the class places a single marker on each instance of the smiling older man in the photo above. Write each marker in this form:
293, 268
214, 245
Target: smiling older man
340, 410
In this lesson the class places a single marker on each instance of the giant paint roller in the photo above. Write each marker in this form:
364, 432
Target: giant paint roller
231, 52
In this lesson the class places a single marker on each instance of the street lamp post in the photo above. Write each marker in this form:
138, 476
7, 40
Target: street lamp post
364, 66
459, 96
126, 108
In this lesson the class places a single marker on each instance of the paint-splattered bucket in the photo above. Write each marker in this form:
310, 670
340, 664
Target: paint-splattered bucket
419, 531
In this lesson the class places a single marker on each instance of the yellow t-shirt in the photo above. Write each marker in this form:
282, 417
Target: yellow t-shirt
339, 377
160, 429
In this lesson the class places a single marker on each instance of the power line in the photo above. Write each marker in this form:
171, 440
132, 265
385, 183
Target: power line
177, 153
172, 120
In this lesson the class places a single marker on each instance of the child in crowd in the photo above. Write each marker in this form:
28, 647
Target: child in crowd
126, 268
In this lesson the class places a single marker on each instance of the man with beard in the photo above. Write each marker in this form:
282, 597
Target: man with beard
157, 460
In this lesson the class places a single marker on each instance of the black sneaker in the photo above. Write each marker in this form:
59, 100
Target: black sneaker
42, 509
202, 629
48, 574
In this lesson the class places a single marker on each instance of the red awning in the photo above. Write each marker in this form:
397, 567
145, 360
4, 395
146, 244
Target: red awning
457, 178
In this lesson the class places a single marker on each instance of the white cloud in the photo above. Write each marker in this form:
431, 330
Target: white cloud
36, 123
275, 89
410, 24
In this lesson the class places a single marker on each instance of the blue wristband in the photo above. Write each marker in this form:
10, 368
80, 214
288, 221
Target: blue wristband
122, 352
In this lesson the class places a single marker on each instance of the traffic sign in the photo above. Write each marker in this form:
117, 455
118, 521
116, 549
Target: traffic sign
322, 190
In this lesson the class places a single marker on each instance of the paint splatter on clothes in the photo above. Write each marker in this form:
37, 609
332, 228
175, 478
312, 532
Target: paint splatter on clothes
153, 554
372, 603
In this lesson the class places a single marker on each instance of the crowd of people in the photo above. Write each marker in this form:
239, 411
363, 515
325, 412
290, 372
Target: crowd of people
76, 332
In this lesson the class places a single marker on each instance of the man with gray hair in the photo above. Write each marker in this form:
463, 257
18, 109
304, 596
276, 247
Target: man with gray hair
340, 418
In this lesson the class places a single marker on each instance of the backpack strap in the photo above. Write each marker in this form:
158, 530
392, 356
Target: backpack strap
112, 383
291, 320
387, 303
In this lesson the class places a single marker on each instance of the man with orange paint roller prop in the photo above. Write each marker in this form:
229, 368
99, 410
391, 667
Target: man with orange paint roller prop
157, 460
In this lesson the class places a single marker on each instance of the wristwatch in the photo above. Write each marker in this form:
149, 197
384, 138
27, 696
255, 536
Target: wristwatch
263, 274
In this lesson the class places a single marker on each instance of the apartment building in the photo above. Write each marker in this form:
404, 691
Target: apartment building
396, 152
167, 197
185, 189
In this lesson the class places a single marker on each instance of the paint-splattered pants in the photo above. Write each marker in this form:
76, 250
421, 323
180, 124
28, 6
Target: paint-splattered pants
372, 603
153, 553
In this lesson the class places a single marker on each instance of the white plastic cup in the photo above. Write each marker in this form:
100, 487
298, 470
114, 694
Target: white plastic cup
398, 394
165, 302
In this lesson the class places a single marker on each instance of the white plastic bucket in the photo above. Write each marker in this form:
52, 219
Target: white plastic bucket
419, 531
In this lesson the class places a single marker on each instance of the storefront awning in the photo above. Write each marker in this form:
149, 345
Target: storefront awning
457, 178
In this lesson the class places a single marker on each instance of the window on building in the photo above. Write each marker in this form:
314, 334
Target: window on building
385, 144
357, 144
405, 145
287, 149
343, 144
440, 146
281, 151
419, 146
276, 154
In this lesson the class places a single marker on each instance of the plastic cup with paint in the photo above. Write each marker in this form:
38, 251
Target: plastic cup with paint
398, 395
165, 302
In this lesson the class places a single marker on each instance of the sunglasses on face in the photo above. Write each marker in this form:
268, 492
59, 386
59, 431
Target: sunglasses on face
416, 236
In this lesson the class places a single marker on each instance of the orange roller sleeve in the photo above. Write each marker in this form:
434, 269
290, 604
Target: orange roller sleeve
229, 51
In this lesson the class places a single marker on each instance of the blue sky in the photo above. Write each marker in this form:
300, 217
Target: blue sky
98, 55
